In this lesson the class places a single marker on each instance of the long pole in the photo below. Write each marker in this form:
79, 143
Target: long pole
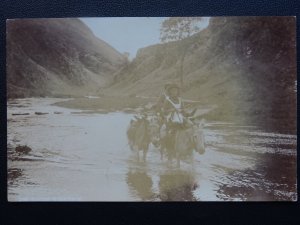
181, 68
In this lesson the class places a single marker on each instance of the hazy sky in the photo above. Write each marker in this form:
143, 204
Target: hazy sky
127, 34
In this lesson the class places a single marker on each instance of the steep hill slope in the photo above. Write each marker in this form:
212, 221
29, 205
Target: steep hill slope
245, 65
54, 57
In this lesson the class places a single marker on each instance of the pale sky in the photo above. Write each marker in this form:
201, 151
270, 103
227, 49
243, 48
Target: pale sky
128, 34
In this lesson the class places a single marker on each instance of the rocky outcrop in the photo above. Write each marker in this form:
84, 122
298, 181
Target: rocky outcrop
24, 149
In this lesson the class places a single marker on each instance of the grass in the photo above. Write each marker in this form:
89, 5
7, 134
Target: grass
109, 103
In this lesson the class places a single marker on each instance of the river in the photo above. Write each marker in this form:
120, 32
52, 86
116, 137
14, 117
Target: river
81, 156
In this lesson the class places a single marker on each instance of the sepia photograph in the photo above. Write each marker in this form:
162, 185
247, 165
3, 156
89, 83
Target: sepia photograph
151, 109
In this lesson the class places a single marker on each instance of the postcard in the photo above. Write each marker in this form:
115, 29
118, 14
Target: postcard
151, 109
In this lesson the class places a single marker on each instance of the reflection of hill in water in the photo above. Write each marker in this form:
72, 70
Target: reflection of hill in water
273, 178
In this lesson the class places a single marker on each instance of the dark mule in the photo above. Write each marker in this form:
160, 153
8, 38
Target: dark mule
138, 137
156, 136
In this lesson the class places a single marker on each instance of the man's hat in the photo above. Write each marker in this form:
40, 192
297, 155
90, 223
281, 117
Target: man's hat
171, 85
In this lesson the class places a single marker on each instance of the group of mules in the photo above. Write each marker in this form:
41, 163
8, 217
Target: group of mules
176, 143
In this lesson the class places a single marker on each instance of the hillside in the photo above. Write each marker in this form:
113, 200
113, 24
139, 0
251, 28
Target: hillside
244, 65
57, 57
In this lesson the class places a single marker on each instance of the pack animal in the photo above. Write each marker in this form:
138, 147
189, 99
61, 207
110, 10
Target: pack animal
187, 140
138, 137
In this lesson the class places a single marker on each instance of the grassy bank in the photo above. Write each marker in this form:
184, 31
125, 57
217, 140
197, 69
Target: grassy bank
109, 103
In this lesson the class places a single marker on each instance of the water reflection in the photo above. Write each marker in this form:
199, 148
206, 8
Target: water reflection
172, 184
177, 185
273, 178
240, 163
273, 174
140, 183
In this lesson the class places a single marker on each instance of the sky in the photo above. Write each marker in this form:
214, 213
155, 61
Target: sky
128, 34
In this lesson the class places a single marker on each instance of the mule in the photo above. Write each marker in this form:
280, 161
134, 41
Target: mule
183, 140
156, 134
138, 137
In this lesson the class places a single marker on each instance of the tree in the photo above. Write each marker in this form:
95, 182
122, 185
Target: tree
178, 28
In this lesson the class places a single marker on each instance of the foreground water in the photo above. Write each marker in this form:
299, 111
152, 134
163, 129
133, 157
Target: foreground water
83, 156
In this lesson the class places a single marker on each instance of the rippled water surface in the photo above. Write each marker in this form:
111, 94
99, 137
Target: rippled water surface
81, 156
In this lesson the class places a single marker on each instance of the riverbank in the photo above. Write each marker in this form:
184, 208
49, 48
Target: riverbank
109, 103
129, 104
133, 104
117, 103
